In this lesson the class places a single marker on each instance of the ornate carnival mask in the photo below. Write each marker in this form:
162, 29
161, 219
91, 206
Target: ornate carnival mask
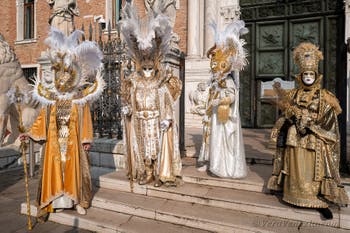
148, 69
220, 59
308, 77
65, 76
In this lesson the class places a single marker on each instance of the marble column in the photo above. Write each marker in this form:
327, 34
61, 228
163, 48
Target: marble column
193, 43
210, 14
109, 11
20, 20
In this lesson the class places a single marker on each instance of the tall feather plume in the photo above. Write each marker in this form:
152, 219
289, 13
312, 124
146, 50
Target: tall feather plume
230, 36
90, 56
85, 57
150, 35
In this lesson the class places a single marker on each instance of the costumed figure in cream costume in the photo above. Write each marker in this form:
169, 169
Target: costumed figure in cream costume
306, 164
64, 124
222, 145
149, 95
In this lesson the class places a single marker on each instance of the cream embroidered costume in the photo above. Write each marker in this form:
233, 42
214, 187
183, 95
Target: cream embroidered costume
222, 143
306, 165
149, 96
64, 123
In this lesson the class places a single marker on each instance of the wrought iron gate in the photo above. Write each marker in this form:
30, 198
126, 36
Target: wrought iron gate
106, 111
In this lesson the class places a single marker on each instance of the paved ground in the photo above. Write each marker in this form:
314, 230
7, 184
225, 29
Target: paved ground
256, 141
12, 194
12, 184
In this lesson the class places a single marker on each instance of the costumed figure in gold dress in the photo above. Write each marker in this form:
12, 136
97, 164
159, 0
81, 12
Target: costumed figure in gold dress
306, 164
64, 124
149, 96
222, 145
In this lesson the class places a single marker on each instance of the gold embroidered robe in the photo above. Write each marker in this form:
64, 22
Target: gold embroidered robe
77, 180
151, 102
306, 167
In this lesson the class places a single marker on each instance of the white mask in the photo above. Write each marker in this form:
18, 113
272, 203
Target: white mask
308, 78
147, 72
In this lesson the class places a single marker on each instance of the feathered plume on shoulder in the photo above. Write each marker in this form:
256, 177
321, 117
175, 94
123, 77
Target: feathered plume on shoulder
229, 38
150, 35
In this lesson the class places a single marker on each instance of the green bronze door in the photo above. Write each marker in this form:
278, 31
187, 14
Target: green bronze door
276, 27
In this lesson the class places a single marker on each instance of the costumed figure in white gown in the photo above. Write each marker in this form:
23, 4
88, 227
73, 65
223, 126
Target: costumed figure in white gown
149, 95
222, 145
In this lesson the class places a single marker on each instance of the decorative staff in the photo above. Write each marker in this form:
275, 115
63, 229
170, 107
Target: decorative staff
19, 100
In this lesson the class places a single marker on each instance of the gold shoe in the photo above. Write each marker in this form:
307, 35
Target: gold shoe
170, 184
148, 179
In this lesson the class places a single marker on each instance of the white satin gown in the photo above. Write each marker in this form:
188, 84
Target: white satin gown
225, 149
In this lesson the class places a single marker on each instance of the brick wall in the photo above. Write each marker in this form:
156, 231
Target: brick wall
8, 13
181, 25
28, 53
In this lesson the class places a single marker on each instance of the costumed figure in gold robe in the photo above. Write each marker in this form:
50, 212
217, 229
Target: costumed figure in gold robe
64, 124
222, 145
149, 96
306, 164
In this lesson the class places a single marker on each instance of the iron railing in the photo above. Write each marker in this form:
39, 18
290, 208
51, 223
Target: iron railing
106, 111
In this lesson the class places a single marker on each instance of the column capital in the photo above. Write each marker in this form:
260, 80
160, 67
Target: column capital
230, 13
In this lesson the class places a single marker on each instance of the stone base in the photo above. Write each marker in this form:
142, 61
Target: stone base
197, 70
107, 153
10, 157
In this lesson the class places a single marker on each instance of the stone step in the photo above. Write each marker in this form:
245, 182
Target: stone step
106, 221
255, 181
227, 198
187, 214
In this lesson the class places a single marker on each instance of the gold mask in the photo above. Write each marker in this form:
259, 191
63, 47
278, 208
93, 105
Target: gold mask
220, 59
65, 77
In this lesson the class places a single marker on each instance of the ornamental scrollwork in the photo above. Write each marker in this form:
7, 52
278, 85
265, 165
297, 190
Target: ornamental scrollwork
230, 13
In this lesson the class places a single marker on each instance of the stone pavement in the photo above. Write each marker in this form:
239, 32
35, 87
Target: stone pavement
256, 141
12, 194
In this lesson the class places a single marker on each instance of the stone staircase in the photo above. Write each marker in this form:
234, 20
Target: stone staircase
202, 203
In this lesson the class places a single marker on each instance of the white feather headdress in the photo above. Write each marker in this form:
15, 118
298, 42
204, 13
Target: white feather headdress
86, 55
147, 38
229, 37
82, 60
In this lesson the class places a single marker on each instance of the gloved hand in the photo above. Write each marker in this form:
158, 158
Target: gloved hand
24, 137
164, 124
205, 119
215, 102
125, 110
293, 111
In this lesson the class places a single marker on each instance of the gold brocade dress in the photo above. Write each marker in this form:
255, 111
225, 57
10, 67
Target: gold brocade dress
307, 167
65, 176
